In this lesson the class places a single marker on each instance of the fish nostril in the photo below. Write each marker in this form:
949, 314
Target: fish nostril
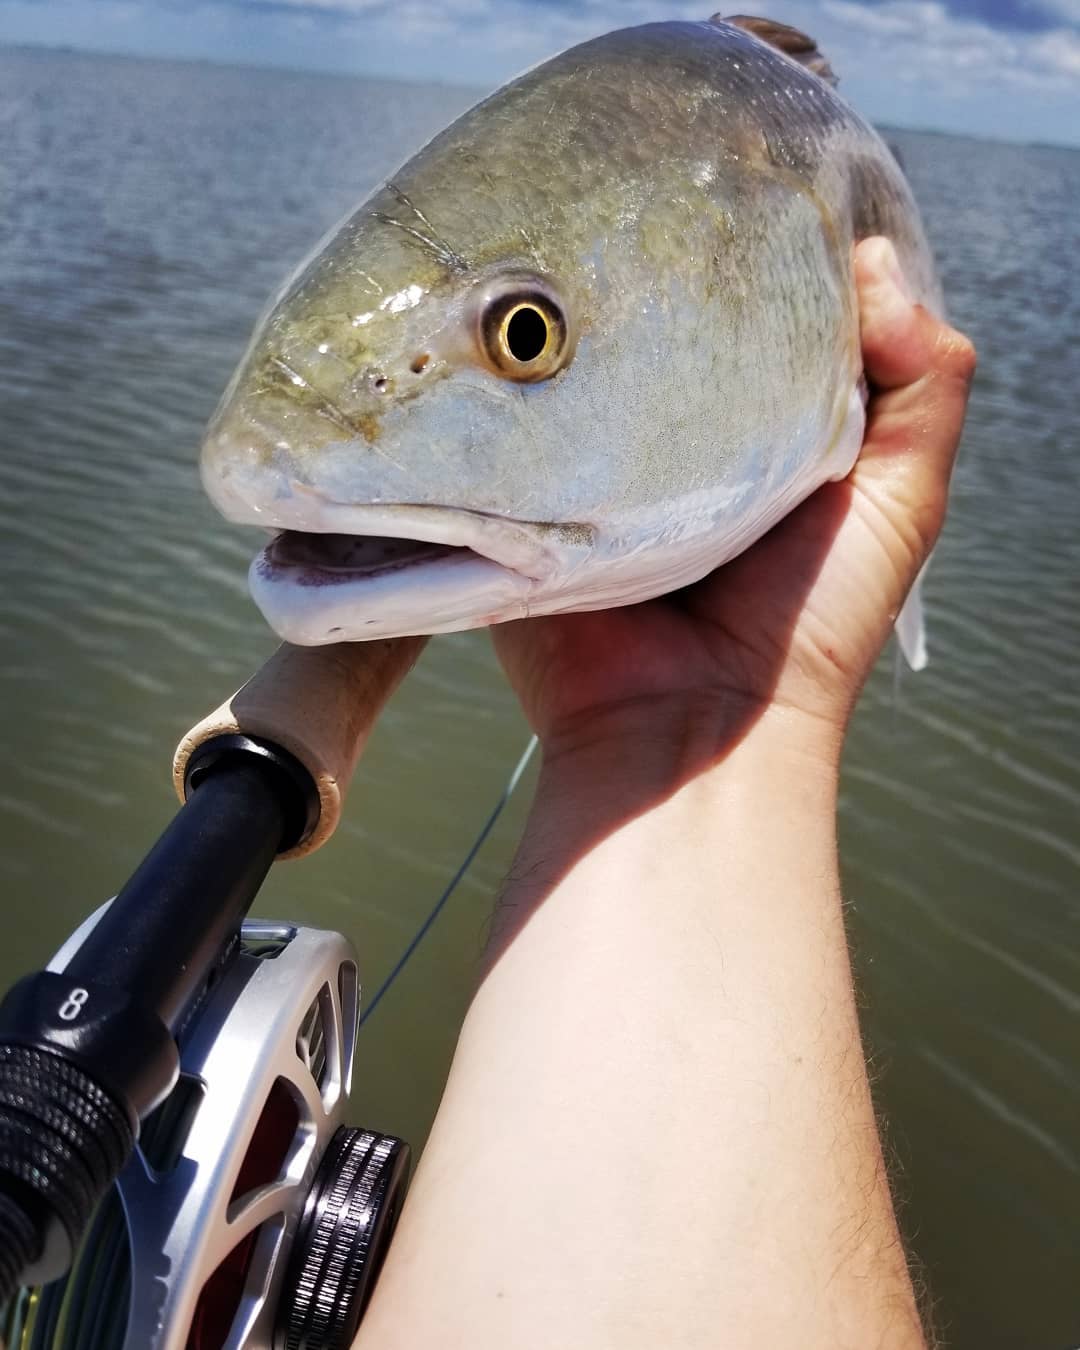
420, 363
380, 384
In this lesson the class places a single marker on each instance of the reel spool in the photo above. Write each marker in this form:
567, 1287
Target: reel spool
249, 1217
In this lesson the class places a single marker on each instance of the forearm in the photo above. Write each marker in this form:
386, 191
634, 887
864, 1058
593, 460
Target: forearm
657, 1130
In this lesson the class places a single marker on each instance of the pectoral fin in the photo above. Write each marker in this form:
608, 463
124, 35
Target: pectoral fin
910, 626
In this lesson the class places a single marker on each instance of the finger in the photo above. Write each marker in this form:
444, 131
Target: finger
920, 373
901, 342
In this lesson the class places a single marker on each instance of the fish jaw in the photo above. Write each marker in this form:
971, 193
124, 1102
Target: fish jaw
427, 590
339, 572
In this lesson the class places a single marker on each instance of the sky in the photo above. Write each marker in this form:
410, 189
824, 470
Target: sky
1001, 68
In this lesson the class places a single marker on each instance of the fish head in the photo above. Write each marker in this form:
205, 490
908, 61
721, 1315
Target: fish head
544, 368
410, 419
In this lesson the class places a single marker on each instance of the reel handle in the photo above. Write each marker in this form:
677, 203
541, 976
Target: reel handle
319, 704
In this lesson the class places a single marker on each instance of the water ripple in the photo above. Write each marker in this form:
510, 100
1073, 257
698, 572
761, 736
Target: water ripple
149, 210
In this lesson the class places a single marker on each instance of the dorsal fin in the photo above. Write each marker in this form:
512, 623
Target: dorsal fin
786, 39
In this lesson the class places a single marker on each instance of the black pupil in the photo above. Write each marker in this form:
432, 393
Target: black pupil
526, 334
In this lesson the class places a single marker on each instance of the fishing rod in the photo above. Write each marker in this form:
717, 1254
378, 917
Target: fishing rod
173, 1085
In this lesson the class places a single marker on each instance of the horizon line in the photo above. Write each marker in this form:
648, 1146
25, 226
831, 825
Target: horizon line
270, 66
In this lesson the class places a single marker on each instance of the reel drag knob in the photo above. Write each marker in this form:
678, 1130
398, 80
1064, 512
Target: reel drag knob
345, 1230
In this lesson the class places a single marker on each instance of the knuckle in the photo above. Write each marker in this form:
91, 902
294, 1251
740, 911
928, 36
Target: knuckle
957, 355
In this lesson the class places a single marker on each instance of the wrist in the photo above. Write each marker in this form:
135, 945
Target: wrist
667, 740
684, 780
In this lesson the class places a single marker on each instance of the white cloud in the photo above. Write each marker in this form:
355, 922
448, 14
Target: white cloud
923, 35
907, 39
1058, 52
898, 19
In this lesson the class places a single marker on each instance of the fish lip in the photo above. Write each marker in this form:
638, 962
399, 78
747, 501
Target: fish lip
521, 546
454, 590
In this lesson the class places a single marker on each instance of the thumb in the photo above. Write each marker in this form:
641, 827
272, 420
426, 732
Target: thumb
919, 370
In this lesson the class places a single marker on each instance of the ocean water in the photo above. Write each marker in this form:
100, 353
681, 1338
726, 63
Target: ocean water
146, 212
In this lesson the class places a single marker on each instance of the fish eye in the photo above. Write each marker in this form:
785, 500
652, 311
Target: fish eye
524, 335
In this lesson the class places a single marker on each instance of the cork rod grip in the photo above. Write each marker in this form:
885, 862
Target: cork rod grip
319, 704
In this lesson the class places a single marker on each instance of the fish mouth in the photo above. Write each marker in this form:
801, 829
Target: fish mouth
342, 573
331, 559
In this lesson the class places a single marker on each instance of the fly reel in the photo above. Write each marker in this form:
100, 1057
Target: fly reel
249, 1216
175, 1171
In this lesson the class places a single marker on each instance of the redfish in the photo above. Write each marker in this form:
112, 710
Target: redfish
587, 345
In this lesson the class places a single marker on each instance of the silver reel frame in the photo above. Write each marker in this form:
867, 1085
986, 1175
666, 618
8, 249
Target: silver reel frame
282, 1020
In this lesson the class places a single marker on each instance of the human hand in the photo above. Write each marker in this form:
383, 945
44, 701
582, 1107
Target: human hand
796, 623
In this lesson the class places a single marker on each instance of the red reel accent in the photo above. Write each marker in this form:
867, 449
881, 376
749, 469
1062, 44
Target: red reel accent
263, 1163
